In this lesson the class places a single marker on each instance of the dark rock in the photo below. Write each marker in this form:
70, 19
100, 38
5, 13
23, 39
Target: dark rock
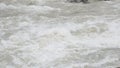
78, 1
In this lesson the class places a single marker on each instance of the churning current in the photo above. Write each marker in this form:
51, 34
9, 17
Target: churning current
59, 34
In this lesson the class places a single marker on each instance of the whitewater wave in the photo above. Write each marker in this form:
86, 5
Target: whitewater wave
59, 34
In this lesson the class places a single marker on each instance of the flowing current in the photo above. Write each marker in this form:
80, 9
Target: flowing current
58, 34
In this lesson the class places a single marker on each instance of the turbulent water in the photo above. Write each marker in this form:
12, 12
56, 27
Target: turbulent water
58, 34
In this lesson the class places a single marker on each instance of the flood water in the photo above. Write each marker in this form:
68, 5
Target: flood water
59, 34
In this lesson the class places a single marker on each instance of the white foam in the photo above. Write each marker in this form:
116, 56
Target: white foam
44, 35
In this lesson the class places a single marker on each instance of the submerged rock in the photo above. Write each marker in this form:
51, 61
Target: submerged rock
77, 1
84, 1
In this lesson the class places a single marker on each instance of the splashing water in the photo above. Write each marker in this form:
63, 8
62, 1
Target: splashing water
58, 34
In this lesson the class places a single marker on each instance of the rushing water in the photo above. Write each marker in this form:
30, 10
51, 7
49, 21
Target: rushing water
58, 34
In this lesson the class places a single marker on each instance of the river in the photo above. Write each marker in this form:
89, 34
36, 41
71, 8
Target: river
59, 34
